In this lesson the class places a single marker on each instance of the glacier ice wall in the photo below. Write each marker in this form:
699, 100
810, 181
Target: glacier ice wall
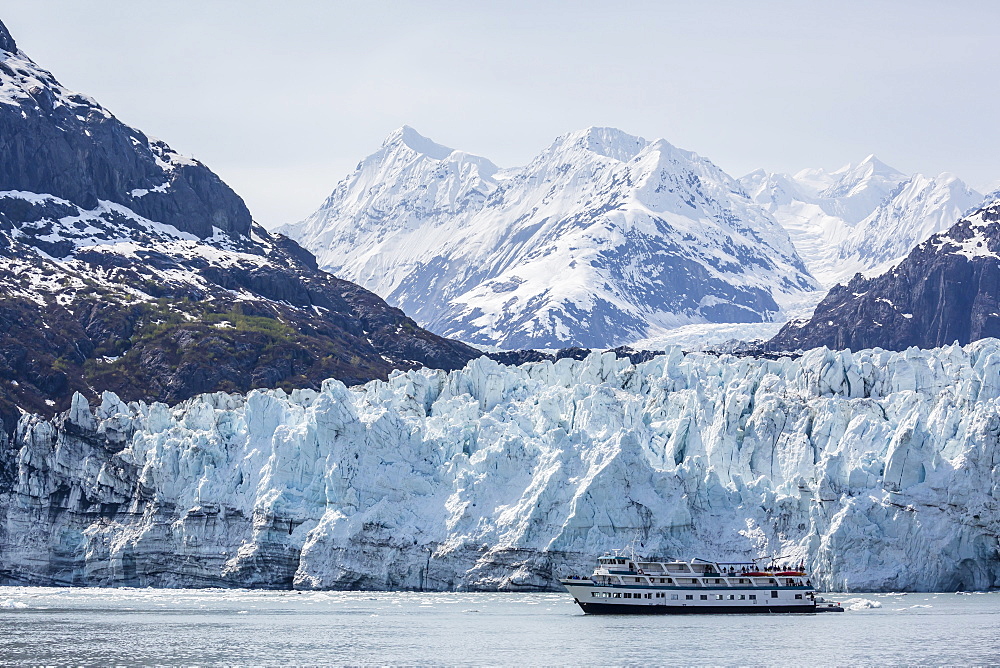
877, 468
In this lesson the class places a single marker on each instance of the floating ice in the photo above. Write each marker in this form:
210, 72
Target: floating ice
860, 604
12, 604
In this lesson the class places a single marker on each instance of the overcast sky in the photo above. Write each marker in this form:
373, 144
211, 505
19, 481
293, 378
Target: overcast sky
282, 99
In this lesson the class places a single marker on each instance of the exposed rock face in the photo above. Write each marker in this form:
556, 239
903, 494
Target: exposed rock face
946, 290
125, 266
62, 143
878, 469
7, 42
601, 238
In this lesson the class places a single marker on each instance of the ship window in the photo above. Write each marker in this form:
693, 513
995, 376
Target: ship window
689, 597
704, 597
753, 597
718, 597
774, 594
628, 595
742, 597
618, 594
673, 597
798, 596
732, 597
649, 596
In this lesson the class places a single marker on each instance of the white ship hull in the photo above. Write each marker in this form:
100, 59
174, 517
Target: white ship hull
618, 600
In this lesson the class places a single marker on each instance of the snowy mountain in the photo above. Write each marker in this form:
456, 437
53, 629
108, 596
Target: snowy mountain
860, 218
878, 469
600, 239
946, 289
126, 266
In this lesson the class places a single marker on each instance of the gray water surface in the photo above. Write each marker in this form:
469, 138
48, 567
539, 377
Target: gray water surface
210, 627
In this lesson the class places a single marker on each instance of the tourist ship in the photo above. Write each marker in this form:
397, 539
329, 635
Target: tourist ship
626, 585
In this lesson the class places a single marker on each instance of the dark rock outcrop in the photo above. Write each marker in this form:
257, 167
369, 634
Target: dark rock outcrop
65, 144
7, 42
946, 290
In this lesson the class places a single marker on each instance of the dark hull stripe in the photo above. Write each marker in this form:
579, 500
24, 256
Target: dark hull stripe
628, 609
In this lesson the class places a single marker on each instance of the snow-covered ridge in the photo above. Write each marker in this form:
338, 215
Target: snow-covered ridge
600, 238
23, 82
27, 85
876, 468
859, 218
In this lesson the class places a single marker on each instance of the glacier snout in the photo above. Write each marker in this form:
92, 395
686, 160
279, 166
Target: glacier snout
876, 468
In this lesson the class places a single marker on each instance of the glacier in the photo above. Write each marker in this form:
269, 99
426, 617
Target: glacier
878, 469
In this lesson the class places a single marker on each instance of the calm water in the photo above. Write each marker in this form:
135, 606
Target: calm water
150, 626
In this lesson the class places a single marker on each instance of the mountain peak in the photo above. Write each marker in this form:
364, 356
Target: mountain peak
407, 136
7, 42
870, 166
609, 142
878, 166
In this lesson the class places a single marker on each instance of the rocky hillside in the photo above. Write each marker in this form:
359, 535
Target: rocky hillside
125, 266
947, 289
598, 240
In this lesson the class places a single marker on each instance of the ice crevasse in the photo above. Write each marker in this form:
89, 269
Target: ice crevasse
878, 469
